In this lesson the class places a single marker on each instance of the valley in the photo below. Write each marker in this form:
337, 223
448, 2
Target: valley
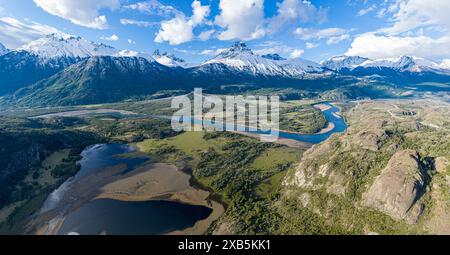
328, 188
85, 134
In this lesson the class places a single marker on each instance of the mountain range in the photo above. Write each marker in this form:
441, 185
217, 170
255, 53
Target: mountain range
60, 69
402, 69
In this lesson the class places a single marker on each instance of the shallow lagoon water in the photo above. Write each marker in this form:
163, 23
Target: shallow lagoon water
113, 217
108, 216
95, 158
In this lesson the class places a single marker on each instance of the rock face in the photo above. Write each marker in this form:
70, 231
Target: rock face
397, 190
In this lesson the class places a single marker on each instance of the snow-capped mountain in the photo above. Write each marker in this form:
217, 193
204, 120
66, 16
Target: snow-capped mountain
170, 60
49, 55
301, 65
100, 79
63, 69
240, 58
398, 64
343, 62
22, 68
403, 64
3, 49
398, 70
67, 46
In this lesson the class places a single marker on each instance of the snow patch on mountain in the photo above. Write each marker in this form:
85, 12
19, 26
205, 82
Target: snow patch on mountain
170, 60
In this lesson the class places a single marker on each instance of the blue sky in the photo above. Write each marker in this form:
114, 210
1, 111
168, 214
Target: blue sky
196, 29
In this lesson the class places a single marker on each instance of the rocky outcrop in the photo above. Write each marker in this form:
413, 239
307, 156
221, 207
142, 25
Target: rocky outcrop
371, 139
398, 189
336, 184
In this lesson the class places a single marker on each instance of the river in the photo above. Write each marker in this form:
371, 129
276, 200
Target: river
333, 116
109, 216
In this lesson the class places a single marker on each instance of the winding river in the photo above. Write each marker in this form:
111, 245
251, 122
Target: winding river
332, 115
108, 216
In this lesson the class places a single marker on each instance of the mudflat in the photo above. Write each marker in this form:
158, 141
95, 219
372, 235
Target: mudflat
164, 182
152, 181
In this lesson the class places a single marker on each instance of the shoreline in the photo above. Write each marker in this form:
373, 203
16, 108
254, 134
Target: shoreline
149, 182
283, 141
146, 186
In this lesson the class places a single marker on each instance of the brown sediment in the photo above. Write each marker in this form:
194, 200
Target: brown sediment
153, 181
329, 128
322, 107
164, 182
288, 142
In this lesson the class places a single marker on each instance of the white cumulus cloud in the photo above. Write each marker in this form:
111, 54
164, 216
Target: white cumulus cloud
175, 31
333, 35
113, 37
411, 14
205, 35
180, 29
242, 19
80, 12
415, 27
380, 46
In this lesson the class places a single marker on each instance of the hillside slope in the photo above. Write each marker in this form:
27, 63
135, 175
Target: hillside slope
99, 80
381, 176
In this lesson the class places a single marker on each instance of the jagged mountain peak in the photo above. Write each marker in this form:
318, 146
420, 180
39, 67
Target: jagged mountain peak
236, 50
158, 54
62, 37
169, 59
239, 45
240, 58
